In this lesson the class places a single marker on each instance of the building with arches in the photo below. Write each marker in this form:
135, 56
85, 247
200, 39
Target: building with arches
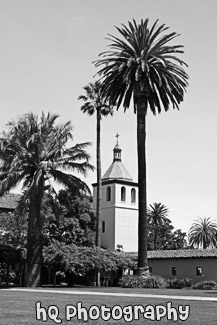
119, 206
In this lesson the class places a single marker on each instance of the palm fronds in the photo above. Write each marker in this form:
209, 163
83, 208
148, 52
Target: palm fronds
34, 146
142, 56
203, 233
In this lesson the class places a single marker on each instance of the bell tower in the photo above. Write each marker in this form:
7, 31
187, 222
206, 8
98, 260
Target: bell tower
119, 206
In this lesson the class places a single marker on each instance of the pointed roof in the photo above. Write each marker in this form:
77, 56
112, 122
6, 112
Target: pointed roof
117, 170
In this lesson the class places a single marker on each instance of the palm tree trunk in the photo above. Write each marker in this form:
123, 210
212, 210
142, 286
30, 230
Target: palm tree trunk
99, 181
99, 190
35, 238
143, 268
155, 237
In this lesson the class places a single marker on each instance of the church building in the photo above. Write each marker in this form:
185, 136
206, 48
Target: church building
119, 206
119, 217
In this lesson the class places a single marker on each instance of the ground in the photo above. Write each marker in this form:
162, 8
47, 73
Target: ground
18, 306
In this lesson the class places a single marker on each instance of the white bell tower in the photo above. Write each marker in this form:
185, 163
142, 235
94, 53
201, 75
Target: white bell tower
119, 206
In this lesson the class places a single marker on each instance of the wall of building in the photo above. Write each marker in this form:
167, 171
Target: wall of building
186, 268
127, 203
126, 229
120, 217
108, 237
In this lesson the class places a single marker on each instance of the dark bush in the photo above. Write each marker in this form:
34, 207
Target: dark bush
134, 281
205, 285
178, 283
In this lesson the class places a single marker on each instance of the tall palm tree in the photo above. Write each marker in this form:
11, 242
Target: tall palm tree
141, 64
94, 102
34, 152
203, 233
157, 215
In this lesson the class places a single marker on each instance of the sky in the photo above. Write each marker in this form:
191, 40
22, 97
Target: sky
46, 54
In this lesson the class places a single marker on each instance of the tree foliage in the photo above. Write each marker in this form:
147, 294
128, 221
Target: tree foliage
76, 223
157, 216
34, 152
167, 237
80, 260
94, 100
203, 233
142, 60
13, 230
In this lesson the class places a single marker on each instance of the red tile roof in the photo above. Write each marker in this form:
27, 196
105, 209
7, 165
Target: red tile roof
9, 201
181, 253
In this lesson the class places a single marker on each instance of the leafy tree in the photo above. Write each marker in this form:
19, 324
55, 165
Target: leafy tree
9, 255
34, 152
203, 233
179, 240
167, 237
80, 261
157, 215
94, 102
76, 225
13, 229
141, 64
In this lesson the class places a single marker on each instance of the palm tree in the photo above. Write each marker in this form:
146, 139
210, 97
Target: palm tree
203, 233
34, 152
94, 102
157, 216
142, 64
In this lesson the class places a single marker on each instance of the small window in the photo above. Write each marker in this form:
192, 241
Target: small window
150, 269
108, 193
103, 227
198, 271
133, 195
123, 193
174, 271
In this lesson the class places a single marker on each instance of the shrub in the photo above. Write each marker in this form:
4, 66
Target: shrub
205, 285
178, 283
135, 281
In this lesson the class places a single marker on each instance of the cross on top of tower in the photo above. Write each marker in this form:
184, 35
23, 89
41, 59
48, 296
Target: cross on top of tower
117, 150
117, 136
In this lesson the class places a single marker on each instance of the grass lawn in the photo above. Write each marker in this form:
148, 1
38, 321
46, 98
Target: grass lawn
19, 307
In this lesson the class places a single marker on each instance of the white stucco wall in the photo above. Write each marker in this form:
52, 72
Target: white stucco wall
108, 238
127, 203
120, 217
126, 229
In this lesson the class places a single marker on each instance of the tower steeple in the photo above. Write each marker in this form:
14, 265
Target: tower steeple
117, 170
117, 151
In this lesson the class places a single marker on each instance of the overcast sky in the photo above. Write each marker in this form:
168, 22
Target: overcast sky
46, 53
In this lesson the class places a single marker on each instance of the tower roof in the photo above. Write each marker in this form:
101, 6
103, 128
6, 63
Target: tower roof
117, 170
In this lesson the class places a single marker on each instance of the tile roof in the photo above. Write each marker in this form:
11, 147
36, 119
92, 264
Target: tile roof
117, 171
9, 201
181, 253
